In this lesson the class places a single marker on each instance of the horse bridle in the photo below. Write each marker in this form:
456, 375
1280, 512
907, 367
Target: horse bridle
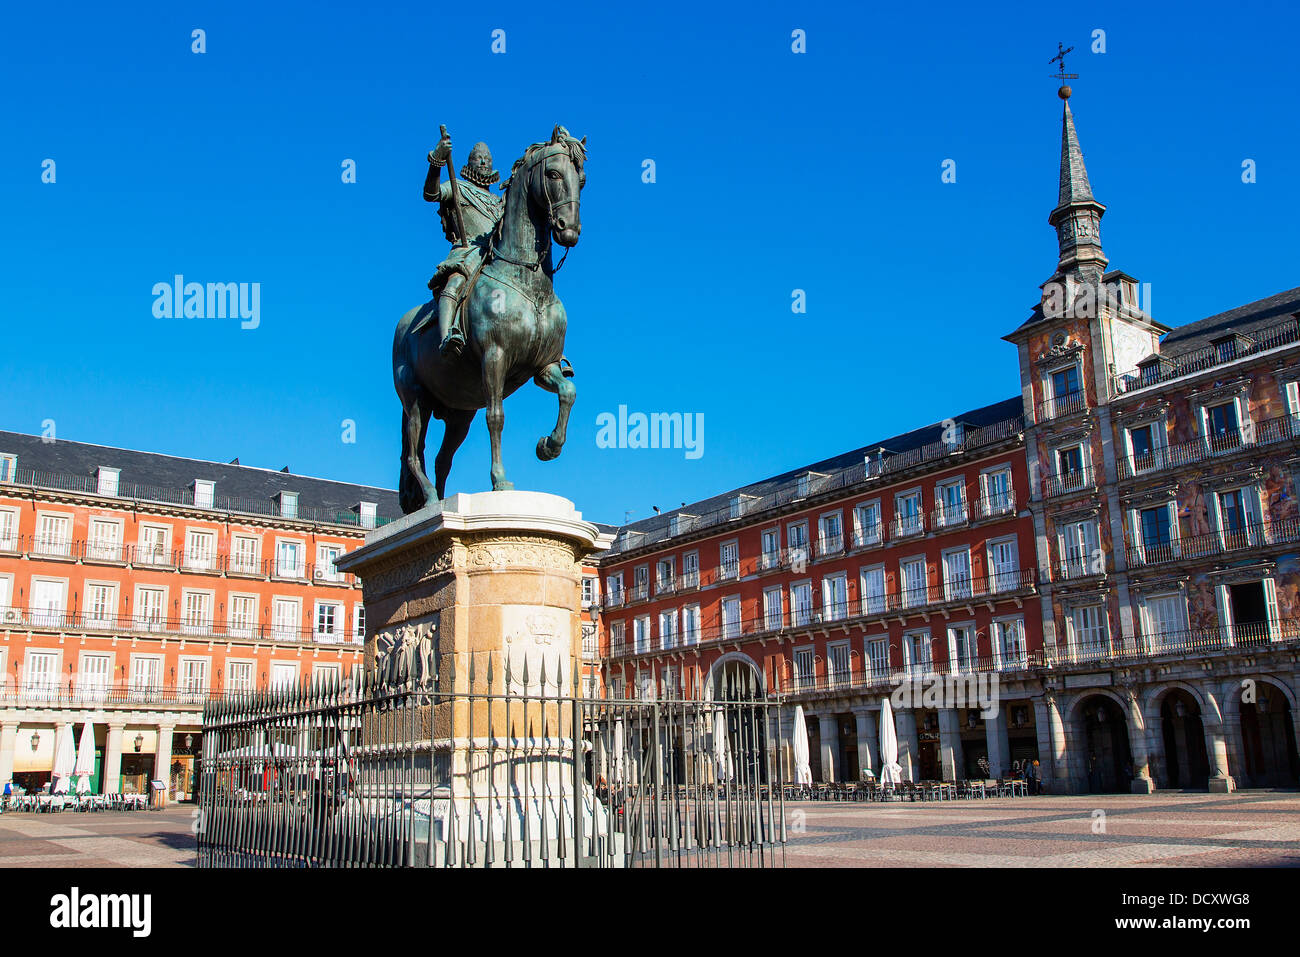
551, 149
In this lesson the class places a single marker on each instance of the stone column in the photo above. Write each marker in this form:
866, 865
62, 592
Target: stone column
1216, 745
952, 763
909, 742
162, 759
999, 744
829, 739
8, 739
1142, 781
1053, 761
868, 740
112, 770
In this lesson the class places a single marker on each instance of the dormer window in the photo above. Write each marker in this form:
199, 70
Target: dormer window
288, 502
106, 480
205, 493
367, 512
8, 467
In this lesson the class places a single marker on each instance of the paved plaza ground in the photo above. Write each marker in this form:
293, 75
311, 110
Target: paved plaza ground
1168, 829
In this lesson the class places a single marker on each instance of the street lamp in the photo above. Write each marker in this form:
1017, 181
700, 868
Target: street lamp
36, 740
139, 741
189, 741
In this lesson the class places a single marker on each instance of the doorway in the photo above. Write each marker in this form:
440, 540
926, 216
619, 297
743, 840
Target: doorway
1186, 762
1106, 758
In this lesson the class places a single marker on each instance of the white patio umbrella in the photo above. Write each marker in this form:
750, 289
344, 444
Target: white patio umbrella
85, 766
721, 747
65, 758
891, 772
616, 768
802, 769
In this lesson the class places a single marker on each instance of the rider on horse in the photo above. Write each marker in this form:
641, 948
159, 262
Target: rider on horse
468, 203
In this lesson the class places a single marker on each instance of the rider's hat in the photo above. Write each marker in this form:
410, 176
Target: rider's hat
478, 168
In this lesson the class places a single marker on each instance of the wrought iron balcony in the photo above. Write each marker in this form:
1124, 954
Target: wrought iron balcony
1061, 405
991, 506
729, 571
59, 621
907, 526
1249, 438
1065, 483
946, 516
830, 546
1199, 641
869, 535
1226, 541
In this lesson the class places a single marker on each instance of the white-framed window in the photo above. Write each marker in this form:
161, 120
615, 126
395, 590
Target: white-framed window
640, 583
957, 582
49, 602
837, 663
284, 674
239, 675
328, 674
691, 625
878, 657
729, 561
1164, 619
53, 534
1004, 564
1237, 517
1064, 392
104, 541
289, 504
917, 653
996, 494
801, 604
192, 678
244, 553
835, 597
8, 466
590, 590
1079, 549
100, 608
205, 493
872, 579
41, 674
866, 523
641, 632
8, 529
796, 539
243, 616
1291, 396
1222, 424
950, 503
614, 589
106, 481
665, 575
6, 601
146, 676
805, 669
359, 622
771, 548
1153, 529
329, 621
1148, 444
668, 628
286, 618
690, 569
731, 616
1071, 462
325, 558
914, 592
95, 676
150, 608
830, 534
200, 550
617, 635
1248, 611
1009, 650
907, 513
962, 657
773, 610
155, 545
289, 558
1089, 631
196, 612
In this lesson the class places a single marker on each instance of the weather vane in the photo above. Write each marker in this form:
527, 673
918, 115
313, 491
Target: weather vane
1061, 51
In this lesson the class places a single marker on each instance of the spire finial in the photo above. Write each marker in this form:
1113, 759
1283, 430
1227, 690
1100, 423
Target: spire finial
1061, 51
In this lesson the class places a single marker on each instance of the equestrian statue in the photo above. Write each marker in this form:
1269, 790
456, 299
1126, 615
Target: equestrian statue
498, 320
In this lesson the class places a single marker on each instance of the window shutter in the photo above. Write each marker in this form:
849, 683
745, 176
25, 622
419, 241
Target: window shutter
1225, 612
1270, 604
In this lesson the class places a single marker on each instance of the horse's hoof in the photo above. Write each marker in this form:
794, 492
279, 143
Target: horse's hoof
546, 449
501, 485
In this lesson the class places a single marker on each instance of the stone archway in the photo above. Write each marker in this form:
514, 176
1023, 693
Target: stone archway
1102, 745
1184, 761
1268, 738
735, 676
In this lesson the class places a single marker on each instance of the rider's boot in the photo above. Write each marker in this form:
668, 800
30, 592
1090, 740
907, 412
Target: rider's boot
452, 341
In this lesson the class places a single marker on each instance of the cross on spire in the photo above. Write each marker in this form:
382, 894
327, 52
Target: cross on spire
1061, 51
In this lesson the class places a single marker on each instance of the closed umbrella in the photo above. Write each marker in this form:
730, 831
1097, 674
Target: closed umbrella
802, 769
891, 772
64, 759
721, 747
85, 766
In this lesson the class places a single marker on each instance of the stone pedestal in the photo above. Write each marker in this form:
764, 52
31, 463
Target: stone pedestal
484, 590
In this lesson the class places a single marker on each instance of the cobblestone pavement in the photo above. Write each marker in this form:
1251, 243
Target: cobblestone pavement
104, 839
1167, 829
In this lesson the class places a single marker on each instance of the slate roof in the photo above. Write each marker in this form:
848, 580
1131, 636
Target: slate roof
1245, 320
917, 438
242, 482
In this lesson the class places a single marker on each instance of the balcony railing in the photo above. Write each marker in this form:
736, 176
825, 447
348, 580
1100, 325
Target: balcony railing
24, 692
945, 516
613, 598
1166, 370
729, 571
869, 535
638, 592
688, 580
830, 546
1061, 405
990, 506
37, 619
1189, 641
877, 675
1222, 542
1065, 483
1249, 438
907, 526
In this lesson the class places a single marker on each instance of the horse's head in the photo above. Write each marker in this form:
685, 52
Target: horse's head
554, 177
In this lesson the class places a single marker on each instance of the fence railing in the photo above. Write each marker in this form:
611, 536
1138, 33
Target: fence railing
365, 774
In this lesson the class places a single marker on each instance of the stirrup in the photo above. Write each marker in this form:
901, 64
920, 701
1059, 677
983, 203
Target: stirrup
566, 368
452, 345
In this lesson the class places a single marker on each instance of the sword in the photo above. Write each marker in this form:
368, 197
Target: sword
462, 239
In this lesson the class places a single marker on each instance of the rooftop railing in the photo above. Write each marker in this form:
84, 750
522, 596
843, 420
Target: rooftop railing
811, 485
1162, 369
138, 492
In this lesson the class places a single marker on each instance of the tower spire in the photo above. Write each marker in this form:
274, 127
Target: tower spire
1077, 216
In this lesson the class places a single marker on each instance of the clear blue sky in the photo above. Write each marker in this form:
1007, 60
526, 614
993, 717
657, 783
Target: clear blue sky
775, 171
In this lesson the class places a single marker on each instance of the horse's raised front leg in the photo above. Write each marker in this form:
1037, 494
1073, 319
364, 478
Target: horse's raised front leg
494, 387
552, 380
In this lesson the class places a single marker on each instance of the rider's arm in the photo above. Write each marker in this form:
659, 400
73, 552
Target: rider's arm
433, 189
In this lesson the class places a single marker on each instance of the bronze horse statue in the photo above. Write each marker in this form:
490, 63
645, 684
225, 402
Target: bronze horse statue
514, 326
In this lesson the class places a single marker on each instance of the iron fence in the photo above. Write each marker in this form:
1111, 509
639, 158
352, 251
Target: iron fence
368, 774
